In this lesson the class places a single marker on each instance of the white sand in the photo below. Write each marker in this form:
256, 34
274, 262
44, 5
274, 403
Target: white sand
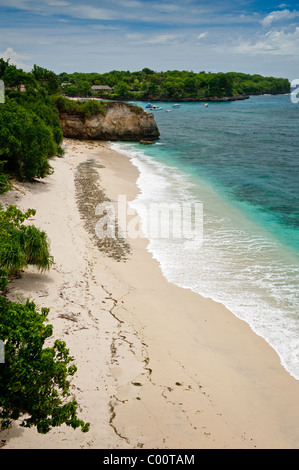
158, 366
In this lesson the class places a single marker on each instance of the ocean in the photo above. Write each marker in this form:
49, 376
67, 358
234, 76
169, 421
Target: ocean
240, 160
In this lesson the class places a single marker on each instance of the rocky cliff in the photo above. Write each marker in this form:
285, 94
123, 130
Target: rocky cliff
119, 121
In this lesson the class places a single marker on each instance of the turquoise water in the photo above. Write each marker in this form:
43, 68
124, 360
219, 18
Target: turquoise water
241, 160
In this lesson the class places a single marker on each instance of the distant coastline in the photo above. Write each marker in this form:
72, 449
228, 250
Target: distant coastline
172, 85
184, 100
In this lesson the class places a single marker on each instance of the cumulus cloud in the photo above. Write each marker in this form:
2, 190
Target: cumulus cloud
278, 16
202, 35
273, 43
16, 59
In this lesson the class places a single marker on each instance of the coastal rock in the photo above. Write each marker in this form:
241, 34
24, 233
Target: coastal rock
121, 121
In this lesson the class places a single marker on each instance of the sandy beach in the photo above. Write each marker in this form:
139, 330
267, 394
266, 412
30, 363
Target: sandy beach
159, 367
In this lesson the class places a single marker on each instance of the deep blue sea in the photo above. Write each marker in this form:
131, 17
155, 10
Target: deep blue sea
239, 159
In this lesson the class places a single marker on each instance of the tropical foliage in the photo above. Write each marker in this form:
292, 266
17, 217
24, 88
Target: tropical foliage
30, 130
34, 385
34, 380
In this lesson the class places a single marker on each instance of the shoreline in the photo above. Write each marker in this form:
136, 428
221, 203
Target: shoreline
158, 365
215, 99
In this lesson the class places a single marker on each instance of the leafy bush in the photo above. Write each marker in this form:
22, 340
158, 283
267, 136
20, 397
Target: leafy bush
91, 107
30, 130
26, 142
34, 379
5, 184
21, 245
86, 108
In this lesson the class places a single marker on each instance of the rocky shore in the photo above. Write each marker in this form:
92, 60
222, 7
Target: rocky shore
121, 121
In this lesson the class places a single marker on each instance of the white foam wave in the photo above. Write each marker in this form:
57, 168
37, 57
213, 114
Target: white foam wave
238, 265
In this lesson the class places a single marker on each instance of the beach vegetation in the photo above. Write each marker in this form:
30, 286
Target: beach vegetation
21, 244
30, 130
26, 142
35, 377
5, 183
86, 108
34, 380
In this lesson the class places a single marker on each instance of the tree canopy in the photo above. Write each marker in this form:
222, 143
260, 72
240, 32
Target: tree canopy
30, 130
175, 84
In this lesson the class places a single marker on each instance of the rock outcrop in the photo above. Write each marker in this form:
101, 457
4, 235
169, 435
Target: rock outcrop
120, 121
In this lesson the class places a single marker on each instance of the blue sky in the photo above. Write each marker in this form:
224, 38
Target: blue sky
99, 36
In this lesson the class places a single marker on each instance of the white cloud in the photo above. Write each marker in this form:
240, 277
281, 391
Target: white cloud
278, 16
161, 39
202, 35
166, 8
16, 59
92, 13
273, 43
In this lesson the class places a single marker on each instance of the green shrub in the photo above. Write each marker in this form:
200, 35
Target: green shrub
5, 184
21, 245
86, 108
34, 379
26, 142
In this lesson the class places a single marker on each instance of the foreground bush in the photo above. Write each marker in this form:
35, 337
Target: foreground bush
21, 245
34, 385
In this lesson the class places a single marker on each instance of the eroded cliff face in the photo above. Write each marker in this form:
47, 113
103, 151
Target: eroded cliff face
121, 121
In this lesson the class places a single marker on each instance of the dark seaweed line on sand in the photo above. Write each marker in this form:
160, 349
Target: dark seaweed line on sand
88, 195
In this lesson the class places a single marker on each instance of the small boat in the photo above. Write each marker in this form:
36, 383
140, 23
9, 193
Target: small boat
176, 105
149, 105
155, 108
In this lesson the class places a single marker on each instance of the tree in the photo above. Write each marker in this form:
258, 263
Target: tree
34, 379
220, 85
122, 90
3, 65
84, 88
25, 142
147, 71
71, 90
14, 77
46, 78
191, 85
